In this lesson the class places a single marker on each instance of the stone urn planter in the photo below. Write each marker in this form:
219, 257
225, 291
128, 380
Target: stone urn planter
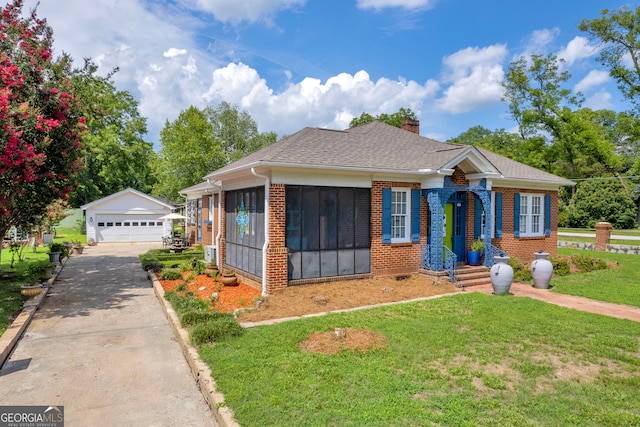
501, 275
541, 270
78, 249
229, 278
54, 257
31, 291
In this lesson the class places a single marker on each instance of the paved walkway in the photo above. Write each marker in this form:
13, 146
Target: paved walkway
101, 346
569, 301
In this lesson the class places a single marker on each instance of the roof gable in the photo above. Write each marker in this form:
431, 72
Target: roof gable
130, 197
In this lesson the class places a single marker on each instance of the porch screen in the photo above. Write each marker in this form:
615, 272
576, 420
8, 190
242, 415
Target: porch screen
328, 231
244, 229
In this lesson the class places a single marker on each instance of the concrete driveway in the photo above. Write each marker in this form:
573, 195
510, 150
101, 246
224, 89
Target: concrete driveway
101, 346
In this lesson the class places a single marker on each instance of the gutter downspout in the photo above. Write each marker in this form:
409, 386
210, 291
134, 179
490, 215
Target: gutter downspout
219, 233
267, 186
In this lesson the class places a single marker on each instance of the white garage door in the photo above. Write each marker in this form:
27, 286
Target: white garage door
129, 228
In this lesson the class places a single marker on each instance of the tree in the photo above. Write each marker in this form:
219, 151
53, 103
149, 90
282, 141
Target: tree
41, 124
188, 152
115, 157
394, 119
544, 108
201, 141
236, 131
530, 151
598, 199
618, 32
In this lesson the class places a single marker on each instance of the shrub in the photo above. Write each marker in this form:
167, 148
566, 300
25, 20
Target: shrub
169, 274
199, 267
184, 303
586, 264
191, 318
191, 276
520, 272
561, 266
223, 326
582, 262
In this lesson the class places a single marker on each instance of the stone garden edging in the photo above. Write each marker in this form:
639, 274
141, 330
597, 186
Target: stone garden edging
199, 369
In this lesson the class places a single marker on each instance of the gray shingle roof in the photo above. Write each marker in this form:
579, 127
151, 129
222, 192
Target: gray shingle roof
375, 146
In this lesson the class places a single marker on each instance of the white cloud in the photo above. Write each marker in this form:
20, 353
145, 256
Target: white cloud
577, 49
313, 103
236, 11
174, 52
476, 76
593, 79
539, 40
601, 100
382, 4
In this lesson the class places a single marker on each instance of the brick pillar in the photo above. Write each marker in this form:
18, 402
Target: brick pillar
277, 253
603, 235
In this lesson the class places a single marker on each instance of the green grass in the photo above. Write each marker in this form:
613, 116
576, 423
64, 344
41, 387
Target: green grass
10, 299
69, 235
619, 285
470, 359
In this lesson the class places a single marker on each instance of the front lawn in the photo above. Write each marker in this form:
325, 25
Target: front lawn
10, 299
468, 359
618, 285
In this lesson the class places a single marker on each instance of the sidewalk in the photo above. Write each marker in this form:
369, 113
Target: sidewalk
569, 301
101, 346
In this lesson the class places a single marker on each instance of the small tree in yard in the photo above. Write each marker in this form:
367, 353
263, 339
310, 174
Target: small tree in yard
40, 123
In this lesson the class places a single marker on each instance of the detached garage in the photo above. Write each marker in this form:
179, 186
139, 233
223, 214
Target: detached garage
127, 216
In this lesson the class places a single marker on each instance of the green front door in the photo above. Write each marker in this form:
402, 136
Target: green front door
448, 225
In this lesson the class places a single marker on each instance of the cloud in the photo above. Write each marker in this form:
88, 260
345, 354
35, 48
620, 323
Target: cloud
601, 100
593, 79
383, 4
237, 11
311, 102
476, 76
174, 52
539, 40
577, 49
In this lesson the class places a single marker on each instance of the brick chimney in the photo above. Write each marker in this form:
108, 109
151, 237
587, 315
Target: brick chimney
411, 126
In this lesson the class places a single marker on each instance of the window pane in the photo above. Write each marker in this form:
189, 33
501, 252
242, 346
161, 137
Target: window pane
310, 219
362, 219
346, 218
328, 218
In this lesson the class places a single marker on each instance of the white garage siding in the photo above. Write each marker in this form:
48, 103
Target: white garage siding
129, 228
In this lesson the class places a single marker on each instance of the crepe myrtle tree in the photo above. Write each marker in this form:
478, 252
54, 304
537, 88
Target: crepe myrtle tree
40, 123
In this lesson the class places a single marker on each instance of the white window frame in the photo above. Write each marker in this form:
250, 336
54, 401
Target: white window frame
531, 214
400, 215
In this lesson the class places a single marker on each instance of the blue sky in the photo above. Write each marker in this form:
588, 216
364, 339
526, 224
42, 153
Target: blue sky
297, 63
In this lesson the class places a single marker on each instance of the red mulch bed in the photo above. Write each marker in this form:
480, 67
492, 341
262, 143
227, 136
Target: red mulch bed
203, 286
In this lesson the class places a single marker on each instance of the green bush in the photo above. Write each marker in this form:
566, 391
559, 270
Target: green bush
561, 266
191, 318
223, 326
586, 264
169, 274
183, 303
521, 272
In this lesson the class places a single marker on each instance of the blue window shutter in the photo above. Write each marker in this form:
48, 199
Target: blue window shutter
415, 216
547, 215
477, 217
498, 231
516, 215
386, 215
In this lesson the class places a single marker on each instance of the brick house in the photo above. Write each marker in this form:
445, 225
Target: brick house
324, 205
